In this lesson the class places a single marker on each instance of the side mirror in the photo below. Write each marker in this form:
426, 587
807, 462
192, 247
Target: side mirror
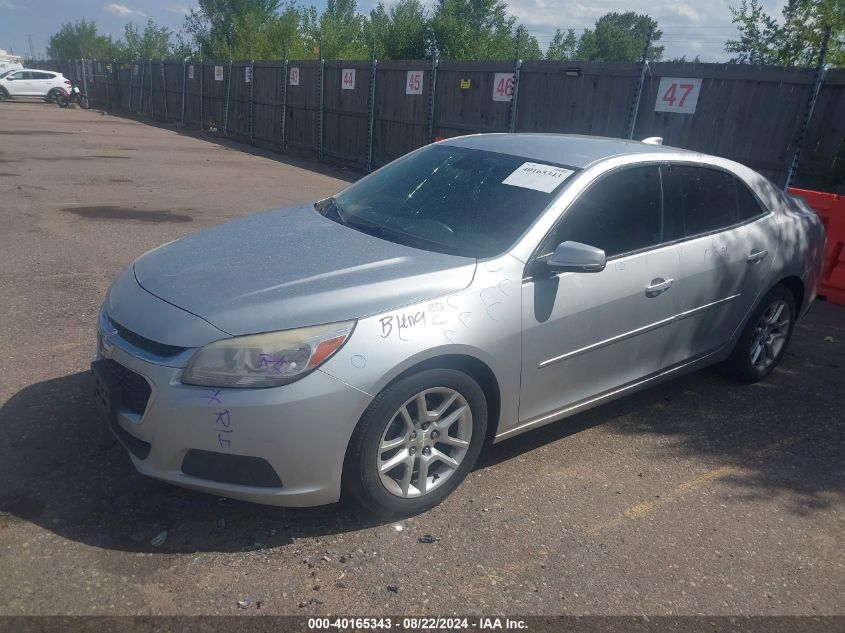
574, 257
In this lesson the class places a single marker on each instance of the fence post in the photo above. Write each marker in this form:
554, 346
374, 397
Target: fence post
372, 113
111, 83
84, 77
431, 88
141, 87
320, 121
228, 93
638, 91
184, 88
152, 92
164, 90
821, 72
131, 75
251, 98
202, 98
285, 106
515, 97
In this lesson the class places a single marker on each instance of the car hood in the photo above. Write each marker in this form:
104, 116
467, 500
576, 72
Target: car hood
292, 268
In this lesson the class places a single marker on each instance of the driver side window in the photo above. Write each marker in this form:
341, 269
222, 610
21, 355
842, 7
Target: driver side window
620, 213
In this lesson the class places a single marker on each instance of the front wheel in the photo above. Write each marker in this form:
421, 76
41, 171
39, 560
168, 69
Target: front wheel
62, 101
83, 102
3, 94
763, 342
416, 442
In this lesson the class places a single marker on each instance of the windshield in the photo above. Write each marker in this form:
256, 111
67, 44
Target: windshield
451, 200
6, 73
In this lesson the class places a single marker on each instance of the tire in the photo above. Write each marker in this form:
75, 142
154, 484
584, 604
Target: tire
63, 101
752, 358
51, 96
420, 439
83, 102
3, 94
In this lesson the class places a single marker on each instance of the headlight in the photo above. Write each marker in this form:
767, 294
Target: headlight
266, 360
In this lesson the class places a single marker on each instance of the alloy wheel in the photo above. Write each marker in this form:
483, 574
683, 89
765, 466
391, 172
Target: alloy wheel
424, 442
770, 334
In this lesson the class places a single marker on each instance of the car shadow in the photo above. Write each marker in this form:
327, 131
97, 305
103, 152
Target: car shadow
64, 471
782, 437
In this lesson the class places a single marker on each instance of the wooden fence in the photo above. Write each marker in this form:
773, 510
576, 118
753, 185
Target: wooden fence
364, 114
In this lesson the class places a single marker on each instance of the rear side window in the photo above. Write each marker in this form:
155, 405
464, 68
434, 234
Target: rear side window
708, 200
749, 208
620, 213
705, 199
42, 76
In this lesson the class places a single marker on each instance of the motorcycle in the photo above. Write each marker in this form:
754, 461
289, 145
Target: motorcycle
74, 96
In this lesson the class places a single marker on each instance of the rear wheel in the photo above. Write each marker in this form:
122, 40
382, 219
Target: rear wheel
63, 100
763, 341
83, 102
416, 442
51, 96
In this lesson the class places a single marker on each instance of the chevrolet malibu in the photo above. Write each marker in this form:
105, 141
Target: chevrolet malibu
477, 288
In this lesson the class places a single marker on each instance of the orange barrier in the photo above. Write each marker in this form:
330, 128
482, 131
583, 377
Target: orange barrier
830, 207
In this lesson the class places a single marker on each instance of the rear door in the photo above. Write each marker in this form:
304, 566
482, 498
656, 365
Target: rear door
585, 334
727, 245
41, 83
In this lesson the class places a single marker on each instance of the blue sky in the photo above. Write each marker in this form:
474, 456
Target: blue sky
690, 27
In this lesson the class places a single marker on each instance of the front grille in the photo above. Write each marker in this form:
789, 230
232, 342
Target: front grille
241, 470
134, 388
159, 349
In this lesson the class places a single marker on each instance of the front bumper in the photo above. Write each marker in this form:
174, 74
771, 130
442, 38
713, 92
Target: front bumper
298, 432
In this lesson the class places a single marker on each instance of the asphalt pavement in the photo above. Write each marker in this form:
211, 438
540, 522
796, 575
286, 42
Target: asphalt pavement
700, 496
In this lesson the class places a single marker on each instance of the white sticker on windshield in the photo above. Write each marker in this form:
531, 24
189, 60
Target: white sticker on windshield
538, 177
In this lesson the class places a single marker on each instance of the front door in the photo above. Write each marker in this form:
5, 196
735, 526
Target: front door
18, 83
585, 334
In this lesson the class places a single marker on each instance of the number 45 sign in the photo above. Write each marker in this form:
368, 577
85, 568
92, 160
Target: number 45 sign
677, 95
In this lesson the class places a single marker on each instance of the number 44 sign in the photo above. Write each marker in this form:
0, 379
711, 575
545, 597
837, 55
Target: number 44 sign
677, 95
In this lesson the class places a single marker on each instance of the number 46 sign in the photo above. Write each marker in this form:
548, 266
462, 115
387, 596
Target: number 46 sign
503, 86
677, 95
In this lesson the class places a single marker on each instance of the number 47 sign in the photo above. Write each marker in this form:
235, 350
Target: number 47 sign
677, 95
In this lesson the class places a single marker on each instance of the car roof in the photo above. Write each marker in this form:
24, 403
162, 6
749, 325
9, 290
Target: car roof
573, 150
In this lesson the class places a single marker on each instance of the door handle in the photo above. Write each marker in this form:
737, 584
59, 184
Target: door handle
757, 256
658, 286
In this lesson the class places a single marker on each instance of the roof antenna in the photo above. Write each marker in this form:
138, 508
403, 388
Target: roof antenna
653, 140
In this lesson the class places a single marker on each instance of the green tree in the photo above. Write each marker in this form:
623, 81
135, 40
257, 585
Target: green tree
151, 43
528, 47
795, 40
402, 32
217, 26
473, 29
79, 39
341, 30
563, 47
620, 37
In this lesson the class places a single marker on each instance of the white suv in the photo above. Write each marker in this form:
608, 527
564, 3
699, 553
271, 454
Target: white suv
33, 83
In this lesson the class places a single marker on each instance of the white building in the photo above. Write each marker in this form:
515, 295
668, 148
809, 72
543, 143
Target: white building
9, 62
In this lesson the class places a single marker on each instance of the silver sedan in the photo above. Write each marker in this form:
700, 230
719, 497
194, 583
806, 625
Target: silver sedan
468, 292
